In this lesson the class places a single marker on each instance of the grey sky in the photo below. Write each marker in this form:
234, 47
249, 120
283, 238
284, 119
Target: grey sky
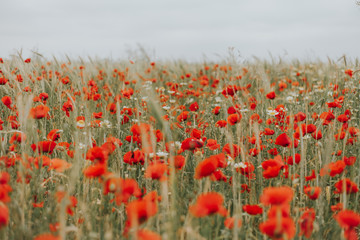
181, 29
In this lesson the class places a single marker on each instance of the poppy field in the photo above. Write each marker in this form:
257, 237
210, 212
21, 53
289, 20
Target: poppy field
104, 149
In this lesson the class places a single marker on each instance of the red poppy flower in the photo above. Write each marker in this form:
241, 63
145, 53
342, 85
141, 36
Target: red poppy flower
134, 157
17, 137
59, 165
97, 115
234, 118
156, 171
300, 116
6, 100
333, 169
206, 168
312, 192
279, 210
183, 116
212, 144
207, 204
350, 186
311, 177
46, 236
221, 124
349, 72
233, 151
138, 211
252, 209
144, 234
179, 162
272, 167
271, 95
268, 131
191, 144
216, 110
4, 215
230, 223
44, 146
306, 223
349, 161
276, 195
3, 81
247, 169
348, 220
54, 135
95, 170
278, 228
283, 140
39, 111
97, 154
194, 107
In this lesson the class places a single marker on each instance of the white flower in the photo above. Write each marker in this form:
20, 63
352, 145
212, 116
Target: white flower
272, 112
80, 123
241, 165
82, 146
105, 123
244, 110
162, 154
218, 99
166, 107
290, 99
171, 92
172, 101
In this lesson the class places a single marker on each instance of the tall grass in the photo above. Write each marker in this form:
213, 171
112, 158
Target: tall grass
169, 88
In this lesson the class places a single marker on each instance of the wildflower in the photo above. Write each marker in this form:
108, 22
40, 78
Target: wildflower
271, 95
221, 124
276, 195
350, 186
283, 140
179, 162
272, 112
54, 134
191, 144
47, 236
230, 223
95, 170
307, 222
144, 234
233, 150
139, 211
348, 220
156, 171
312, 192
212, 144
44, 146
134, 157
234, 118
207, 204
4, 215
252, 209
6, 100
97, 154
278, 228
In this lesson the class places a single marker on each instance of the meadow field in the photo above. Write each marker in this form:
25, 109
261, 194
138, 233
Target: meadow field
143, 149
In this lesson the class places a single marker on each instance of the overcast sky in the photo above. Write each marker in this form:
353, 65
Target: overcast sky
181, 29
